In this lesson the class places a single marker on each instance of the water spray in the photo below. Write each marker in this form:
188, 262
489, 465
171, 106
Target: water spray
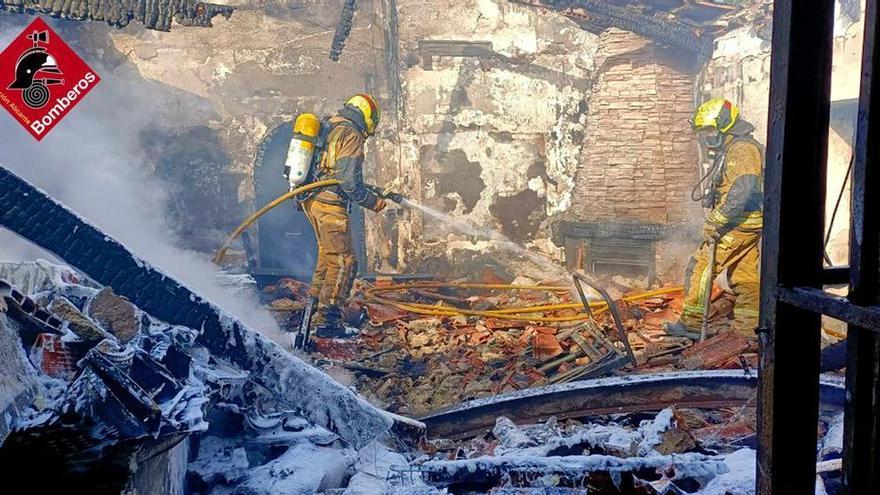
502, 241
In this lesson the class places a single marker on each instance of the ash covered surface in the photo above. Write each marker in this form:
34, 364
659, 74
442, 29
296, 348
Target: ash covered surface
97, 413
673, 451
105, 407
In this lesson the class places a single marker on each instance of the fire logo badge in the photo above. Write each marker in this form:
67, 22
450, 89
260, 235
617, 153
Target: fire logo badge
42, 79
35, 70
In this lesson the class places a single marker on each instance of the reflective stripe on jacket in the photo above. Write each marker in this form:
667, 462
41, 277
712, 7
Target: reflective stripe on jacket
739, 187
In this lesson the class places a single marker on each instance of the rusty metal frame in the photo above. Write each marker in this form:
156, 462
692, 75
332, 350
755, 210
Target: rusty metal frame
580, 278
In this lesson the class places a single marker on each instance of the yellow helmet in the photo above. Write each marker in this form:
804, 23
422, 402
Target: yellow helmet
716, 113
368, 107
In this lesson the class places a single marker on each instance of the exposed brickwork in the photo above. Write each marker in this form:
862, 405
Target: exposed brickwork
55, 359
639, 161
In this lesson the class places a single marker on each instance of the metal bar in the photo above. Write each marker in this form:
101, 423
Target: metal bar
794, 198
583, 297
862, 421
817, 301
615, 313
583, 399
707, 288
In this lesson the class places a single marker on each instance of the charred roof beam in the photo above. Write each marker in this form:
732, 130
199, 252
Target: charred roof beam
153, 14
603, 14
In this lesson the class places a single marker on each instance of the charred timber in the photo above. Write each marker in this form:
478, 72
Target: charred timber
35, 216
662, 31
153, 14
343, 29
598, 473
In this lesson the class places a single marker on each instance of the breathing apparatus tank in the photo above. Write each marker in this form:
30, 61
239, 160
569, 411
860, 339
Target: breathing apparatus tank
302, 149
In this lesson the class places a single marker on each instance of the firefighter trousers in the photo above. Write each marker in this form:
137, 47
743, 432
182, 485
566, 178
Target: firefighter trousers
737, 253
337, 265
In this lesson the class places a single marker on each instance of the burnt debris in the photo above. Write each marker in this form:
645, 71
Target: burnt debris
28, 211
130, 410
343, 29
153, 14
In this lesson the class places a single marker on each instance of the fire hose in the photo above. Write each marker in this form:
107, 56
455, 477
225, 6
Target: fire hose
526, 313
218, 258
516, 313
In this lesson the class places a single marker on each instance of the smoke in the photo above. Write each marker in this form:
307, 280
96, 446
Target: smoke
93, 162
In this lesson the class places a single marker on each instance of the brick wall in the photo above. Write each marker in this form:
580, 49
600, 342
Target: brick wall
54, 357
639, 160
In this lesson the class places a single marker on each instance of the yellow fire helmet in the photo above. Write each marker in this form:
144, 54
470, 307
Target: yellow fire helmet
716, 113
368, 107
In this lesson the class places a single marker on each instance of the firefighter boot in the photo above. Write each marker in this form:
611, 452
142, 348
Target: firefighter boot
330, 324
681, 329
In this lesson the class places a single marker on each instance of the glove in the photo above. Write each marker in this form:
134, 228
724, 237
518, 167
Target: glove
393, 196
380, 204
710, 232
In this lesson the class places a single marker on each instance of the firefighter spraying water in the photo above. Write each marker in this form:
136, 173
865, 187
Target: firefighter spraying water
324, 170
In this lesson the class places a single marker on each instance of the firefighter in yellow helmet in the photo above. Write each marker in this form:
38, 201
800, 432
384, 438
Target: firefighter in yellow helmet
328, 209
735, 220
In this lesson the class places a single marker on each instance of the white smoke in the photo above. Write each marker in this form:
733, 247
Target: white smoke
93, 163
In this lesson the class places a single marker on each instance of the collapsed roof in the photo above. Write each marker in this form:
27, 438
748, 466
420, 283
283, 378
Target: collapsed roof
153, 14
295, 385
689, 25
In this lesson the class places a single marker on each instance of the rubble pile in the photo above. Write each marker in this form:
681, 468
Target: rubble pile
424, 346
109, 399
675, 451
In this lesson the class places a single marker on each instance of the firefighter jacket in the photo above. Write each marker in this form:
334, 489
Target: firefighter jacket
343, 159
738, 183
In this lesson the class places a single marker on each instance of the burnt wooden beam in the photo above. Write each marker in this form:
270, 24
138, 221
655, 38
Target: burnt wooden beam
667, 32
590, 473
794, 198
343, 29
836, 275
818, 301
156, 14
862, 421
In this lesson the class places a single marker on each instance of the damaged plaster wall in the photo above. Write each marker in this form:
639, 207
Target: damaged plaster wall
493, 137
257, 70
